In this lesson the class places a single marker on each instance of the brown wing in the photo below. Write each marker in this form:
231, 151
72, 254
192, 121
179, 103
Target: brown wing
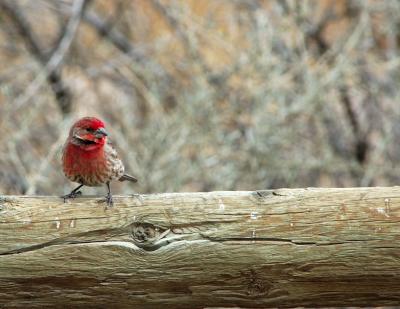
113, 161
118, 167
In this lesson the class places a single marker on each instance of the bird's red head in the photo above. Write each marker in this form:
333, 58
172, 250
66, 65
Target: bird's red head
88, 133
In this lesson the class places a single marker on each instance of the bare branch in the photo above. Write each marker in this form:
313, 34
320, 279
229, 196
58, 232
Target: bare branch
51, 63
21, 24
188, 43
105, 30
361, 143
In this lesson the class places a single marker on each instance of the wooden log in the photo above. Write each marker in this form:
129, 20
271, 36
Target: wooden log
299, 247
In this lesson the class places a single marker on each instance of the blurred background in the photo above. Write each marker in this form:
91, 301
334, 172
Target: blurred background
203, 95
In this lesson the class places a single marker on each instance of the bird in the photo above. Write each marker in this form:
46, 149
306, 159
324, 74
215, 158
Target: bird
90, 159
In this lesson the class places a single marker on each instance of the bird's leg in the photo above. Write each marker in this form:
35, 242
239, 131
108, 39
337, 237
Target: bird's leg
109, 198
74, 193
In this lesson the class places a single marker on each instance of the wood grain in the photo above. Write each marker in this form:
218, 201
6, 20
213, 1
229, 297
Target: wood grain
287, 247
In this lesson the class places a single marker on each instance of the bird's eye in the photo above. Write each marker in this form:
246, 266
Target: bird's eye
89, 130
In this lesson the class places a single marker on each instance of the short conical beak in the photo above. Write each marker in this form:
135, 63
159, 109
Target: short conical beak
99, 133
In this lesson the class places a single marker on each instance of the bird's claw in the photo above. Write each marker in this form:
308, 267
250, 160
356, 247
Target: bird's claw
71, 195
109, 200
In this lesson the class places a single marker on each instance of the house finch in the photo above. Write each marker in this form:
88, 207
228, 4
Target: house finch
90, 159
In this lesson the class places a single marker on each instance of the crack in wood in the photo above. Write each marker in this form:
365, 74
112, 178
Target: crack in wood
52, 220
163, 241
144, 235
70, 239
45, 245
282, 240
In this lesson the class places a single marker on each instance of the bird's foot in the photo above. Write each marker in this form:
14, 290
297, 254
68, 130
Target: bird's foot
109, 200
71, 195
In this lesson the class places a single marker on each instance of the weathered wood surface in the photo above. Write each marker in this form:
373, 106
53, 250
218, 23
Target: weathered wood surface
301, 247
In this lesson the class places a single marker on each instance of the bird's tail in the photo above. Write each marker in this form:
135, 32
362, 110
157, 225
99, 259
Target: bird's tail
128, 177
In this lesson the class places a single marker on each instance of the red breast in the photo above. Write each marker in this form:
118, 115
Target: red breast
84, 163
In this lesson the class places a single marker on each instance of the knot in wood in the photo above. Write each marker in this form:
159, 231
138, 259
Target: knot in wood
255, 285
145, 232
